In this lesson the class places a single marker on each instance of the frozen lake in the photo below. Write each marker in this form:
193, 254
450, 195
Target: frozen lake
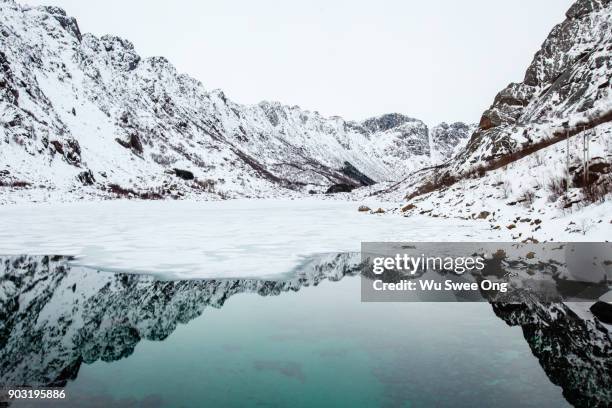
237, 238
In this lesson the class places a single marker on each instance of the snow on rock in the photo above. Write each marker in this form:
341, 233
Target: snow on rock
447, 140
567, 82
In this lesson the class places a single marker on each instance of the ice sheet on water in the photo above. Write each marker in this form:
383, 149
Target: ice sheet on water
187, 239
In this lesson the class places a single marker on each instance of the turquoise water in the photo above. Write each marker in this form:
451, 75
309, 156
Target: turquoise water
321, 346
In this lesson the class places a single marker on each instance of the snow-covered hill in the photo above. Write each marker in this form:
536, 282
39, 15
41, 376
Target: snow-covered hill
82, 115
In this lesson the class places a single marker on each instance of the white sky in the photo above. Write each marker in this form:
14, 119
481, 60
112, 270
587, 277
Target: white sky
436, 60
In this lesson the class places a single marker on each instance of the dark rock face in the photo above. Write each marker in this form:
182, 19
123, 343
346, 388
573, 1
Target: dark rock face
73, 152
8, 91
119, 51
69, 149
133, 143
603, 311
340, 188
86, 178
184, 174
350, 171
57, 145
68, 23
581, 8
386, 122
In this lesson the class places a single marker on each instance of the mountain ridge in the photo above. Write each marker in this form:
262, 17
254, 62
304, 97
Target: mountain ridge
86, 115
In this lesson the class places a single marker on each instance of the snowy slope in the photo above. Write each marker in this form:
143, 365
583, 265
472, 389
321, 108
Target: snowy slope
82, 115
525, 199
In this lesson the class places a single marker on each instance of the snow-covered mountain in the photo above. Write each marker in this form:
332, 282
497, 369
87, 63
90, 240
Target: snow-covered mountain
88, 115
526, 161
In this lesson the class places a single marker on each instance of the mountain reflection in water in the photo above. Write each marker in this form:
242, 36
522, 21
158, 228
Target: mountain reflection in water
54, 317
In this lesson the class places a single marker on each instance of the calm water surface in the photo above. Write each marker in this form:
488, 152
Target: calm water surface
322, 347
308, 340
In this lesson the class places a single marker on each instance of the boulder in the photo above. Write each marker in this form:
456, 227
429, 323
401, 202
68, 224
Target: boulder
483, 215
408, 207
597, 168
134, 143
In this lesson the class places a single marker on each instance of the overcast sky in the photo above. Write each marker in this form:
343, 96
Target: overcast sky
436, 60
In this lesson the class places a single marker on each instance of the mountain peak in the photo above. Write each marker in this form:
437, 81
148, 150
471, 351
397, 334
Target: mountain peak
386, 122
583, 7
68, 23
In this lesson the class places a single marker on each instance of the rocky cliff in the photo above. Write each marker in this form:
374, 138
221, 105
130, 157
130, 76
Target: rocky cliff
566, 84
566, 91
447, 140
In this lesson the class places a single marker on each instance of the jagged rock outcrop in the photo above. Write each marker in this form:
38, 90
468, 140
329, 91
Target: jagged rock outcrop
447, 140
